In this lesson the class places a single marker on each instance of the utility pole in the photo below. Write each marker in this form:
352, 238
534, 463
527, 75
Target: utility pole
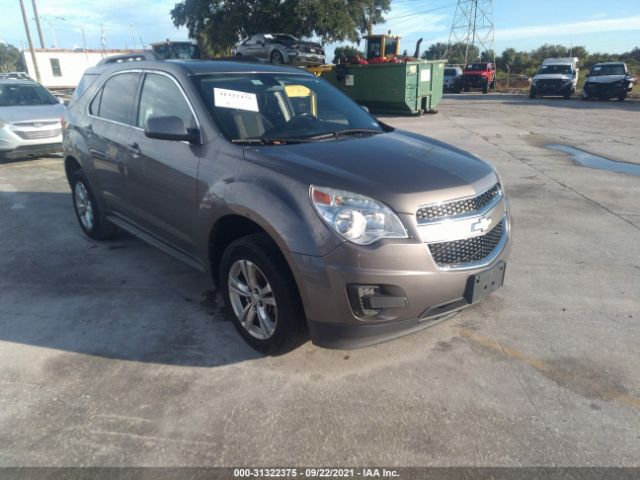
30, 40
133, 37
472, 26
103, 39
84, 40
35, 14
370, 18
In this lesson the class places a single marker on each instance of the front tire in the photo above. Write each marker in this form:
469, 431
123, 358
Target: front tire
532, 93
485, 87
261, 296
88, 212
277, 58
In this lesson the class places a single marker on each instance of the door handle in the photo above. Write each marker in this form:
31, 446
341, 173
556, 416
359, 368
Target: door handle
134, 148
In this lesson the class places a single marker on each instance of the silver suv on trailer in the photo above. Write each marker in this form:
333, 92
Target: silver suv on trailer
312, 216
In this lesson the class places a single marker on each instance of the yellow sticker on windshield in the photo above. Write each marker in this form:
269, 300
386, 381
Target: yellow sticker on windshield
235, 99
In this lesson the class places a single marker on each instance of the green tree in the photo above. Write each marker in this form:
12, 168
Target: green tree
10, 59
219, 24
346, 51
453, 53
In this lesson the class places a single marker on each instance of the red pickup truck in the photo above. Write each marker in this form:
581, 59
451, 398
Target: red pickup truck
479, 75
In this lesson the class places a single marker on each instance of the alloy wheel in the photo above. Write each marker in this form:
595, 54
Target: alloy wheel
252, 299
83, 205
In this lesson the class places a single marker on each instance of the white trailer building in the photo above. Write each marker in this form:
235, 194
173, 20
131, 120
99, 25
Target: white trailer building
63, 68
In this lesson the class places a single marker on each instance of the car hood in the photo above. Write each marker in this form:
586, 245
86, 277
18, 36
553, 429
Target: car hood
552, 76
606, 78
401, 169
29, 113
303, 43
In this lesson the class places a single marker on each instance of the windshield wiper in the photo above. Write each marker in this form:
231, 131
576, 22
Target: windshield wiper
270, 141
346, 132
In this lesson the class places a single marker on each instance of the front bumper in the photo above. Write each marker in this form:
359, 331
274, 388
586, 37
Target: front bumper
474, 81
21, 142
403, 268
606, 90
546, 87
305, 59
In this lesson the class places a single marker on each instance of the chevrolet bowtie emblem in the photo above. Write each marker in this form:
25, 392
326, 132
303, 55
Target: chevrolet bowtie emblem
481, 225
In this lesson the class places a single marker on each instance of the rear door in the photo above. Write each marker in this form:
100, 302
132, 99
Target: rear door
163, 174
109, 137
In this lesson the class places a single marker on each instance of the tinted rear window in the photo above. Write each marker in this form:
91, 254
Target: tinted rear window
118, 96
85, 82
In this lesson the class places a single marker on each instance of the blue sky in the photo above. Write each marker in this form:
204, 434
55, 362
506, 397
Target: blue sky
612, 26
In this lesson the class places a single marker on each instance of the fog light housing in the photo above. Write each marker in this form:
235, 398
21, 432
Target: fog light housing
369, 301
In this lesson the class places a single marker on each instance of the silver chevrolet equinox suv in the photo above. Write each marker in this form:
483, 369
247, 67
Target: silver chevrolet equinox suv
312, 216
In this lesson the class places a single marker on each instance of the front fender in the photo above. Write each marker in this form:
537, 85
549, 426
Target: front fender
279, 205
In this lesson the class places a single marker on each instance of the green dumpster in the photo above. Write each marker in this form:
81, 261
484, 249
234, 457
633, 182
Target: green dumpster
407, 88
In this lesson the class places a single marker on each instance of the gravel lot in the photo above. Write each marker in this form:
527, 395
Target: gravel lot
115, 354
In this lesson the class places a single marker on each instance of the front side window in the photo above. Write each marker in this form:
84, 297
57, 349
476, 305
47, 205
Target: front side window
25, 94
161, 97
118, 95
267, 106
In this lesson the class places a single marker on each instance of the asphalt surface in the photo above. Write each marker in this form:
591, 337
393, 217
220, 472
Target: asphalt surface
115, 354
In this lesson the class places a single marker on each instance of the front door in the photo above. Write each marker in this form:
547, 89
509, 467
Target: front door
163, 174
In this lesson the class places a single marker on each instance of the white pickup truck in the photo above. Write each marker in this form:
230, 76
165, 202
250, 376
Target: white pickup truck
556, 76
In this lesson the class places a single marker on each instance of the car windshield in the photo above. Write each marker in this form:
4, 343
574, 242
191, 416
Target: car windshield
17, 95
476, 66
279, 108
600, 70
280, 37
550, 69
450, 72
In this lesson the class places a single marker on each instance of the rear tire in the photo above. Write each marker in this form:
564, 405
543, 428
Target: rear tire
622, 97
88, 212
261, 295
277, 58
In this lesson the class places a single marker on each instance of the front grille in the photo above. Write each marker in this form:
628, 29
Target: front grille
549, 83
457, 207
38, 134
474, 249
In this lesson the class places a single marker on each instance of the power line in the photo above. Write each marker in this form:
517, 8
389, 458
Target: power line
472, 26
415, 14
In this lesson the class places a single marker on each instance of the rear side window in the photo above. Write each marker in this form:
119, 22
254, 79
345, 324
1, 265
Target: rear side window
118, 96
161, 97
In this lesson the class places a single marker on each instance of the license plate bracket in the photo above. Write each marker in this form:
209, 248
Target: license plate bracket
484, 283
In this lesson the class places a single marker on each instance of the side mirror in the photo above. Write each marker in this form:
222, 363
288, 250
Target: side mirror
170, 128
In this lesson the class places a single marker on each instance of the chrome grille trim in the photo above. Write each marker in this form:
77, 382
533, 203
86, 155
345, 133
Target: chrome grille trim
473, 252
38, 134
460, 207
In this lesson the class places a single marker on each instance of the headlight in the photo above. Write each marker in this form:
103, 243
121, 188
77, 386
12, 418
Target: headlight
356, 218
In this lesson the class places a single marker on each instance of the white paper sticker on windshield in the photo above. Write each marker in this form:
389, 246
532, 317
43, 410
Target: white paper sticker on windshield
234, 99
